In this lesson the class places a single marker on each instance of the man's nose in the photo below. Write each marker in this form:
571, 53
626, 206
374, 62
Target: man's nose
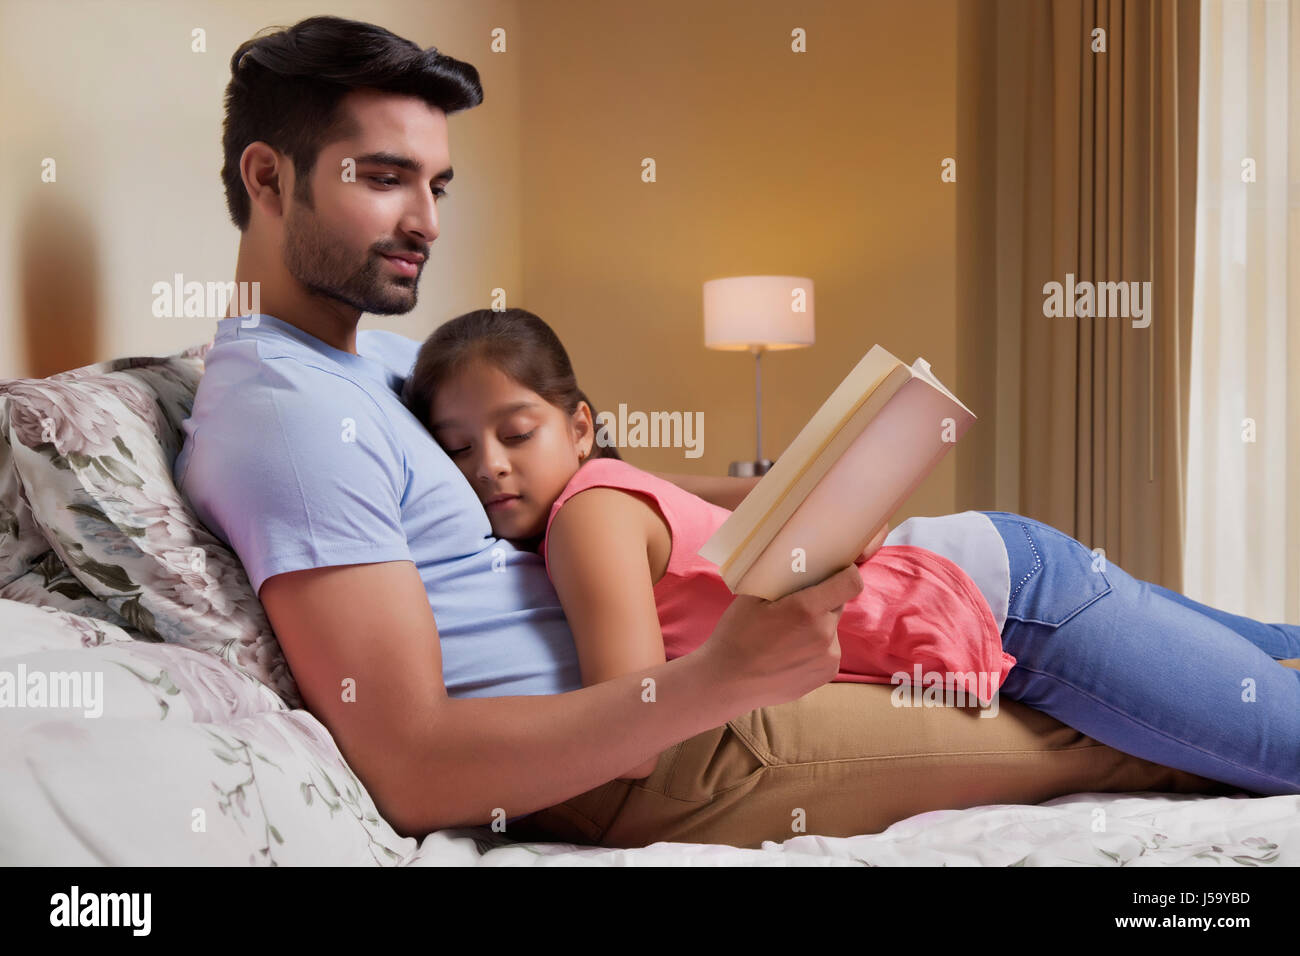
422, 219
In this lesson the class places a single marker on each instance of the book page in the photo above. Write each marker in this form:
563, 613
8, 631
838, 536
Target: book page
921, 369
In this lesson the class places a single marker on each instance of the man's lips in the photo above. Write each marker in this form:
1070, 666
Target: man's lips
406, 263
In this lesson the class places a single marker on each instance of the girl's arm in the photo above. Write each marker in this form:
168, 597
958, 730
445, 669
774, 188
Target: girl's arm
725, 492
599, 562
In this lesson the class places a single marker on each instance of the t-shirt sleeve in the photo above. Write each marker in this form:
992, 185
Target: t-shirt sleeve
308, 475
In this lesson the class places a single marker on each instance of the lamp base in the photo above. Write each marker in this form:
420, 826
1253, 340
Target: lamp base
749, 469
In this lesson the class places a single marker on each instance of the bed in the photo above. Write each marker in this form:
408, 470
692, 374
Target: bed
147, 716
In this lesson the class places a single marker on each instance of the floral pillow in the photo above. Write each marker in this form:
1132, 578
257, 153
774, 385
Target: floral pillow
21, 542
91, 452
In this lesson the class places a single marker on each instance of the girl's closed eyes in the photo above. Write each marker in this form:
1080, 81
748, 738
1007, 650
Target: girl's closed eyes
453, 452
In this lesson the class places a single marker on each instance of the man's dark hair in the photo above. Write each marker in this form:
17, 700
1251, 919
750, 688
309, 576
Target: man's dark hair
285, 88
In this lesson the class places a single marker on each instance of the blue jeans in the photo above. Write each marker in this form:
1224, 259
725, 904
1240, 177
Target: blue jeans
1147, 670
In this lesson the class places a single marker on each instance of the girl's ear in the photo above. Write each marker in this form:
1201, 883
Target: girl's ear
584, 431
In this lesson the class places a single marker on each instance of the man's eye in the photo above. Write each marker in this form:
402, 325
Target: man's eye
439, 192
385, 180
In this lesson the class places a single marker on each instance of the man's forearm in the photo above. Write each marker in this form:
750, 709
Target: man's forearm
725, 492
520, 754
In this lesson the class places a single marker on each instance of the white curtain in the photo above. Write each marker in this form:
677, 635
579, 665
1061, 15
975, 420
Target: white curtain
1243, 482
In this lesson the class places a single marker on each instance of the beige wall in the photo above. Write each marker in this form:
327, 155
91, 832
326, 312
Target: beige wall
824, 164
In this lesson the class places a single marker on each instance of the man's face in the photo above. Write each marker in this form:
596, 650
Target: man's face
345, 239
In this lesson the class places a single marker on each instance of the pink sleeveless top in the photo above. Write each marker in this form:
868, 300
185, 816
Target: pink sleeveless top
916, 607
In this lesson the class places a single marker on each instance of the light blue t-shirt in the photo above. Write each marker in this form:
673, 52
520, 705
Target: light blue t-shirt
299, 455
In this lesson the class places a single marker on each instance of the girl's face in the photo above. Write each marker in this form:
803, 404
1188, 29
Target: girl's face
517, 450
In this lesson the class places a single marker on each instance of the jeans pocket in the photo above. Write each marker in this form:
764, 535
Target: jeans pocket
707, 764
1053, 576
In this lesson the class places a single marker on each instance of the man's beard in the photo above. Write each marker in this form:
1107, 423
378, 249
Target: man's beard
328, 268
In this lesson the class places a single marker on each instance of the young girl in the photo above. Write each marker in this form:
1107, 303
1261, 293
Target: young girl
497, 391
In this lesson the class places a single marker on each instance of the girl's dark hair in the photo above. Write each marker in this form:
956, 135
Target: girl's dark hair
514, 340
285, 89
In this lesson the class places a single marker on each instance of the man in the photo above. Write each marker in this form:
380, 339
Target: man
438, 656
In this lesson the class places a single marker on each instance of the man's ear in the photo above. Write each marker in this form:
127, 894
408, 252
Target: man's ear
262, 168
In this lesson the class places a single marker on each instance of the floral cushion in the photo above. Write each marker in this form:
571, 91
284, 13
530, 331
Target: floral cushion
173, 759
86, 463
49, 584
21, 542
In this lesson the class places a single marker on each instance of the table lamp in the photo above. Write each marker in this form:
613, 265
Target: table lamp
757, 314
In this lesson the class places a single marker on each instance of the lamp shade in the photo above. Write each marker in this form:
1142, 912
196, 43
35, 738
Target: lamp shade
766, 312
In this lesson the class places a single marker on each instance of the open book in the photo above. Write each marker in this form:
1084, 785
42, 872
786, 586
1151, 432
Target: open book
865, 450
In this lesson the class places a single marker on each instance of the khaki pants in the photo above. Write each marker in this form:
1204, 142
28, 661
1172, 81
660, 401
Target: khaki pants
843, 761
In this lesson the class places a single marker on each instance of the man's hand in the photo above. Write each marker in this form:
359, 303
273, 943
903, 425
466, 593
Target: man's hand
771, 652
